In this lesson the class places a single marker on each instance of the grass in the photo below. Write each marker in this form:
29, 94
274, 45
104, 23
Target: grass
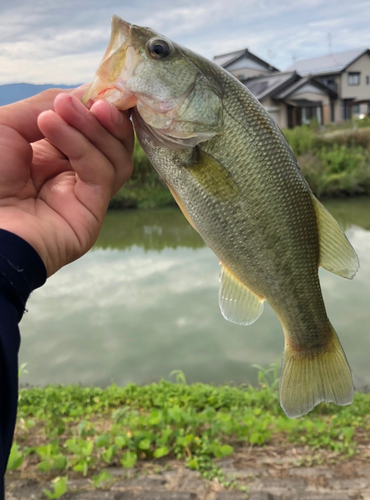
84, 429
144, 189
334, 160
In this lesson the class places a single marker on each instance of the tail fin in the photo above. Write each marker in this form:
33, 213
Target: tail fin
306, 380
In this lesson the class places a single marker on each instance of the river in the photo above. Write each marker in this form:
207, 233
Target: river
144, 302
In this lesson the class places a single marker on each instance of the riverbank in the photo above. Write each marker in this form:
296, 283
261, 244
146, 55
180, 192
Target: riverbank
270, 473
334, 160
180, 437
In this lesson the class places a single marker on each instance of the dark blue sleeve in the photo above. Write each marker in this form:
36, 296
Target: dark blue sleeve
21, 271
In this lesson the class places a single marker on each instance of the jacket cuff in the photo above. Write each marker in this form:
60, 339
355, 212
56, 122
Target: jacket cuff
21, 269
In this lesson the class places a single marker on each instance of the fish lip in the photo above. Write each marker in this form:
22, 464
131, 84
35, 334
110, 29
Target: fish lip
111, 65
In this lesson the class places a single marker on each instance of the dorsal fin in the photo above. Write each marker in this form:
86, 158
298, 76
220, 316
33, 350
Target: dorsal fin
238, 303
336, 252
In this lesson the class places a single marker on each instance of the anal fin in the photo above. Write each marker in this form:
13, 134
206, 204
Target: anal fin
336, 252
238, 303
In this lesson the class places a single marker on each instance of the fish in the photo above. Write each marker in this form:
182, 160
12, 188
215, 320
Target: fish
238, 183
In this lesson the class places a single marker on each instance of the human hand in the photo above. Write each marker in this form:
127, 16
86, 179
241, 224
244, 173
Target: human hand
59, 169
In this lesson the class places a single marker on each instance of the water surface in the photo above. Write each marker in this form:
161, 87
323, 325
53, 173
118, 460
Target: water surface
144, 302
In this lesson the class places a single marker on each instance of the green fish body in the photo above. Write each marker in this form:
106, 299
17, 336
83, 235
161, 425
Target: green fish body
238, 183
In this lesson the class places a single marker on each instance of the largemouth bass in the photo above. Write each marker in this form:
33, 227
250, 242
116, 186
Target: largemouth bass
238, 183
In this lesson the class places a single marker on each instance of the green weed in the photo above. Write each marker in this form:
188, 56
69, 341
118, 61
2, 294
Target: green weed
16, 458
59, 487
51, 458
197, 424
102, 479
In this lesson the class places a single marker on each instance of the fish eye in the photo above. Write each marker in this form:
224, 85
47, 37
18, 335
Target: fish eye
159, 49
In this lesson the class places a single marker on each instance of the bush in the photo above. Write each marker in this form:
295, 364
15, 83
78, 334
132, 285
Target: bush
334, 161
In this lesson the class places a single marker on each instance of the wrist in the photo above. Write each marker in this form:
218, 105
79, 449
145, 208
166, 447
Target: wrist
21, 269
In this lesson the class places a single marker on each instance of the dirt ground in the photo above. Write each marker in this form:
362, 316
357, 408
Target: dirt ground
266, 473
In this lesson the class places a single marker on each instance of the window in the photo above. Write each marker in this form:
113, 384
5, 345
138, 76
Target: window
310, 113
367, 80
328, 81
356, 109
353, 79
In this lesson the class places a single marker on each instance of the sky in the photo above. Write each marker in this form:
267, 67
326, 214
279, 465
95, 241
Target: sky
48, 41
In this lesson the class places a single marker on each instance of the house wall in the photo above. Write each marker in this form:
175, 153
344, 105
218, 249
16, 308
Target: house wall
319, 95
245, 62
358, 92
244, 73
246, 68
336, 102
355, 92
337, 110
277, 110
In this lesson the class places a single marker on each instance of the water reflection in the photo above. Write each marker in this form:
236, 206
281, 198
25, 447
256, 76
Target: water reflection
351, 212
148, 229
168, 228
144, 302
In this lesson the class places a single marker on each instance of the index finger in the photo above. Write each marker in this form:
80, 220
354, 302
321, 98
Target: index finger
22, 116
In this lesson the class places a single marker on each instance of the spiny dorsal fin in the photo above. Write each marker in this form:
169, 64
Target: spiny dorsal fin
238, 304
336, 252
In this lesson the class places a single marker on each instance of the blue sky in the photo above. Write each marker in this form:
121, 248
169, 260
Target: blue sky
45, 41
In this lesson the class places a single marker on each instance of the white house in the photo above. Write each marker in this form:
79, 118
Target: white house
289, 98
348, 74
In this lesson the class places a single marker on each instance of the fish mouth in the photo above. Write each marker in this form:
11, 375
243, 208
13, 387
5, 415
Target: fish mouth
110, 80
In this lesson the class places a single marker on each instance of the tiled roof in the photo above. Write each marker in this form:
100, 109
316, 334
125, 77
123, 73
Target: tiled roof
227, 58
331, 63
261, 86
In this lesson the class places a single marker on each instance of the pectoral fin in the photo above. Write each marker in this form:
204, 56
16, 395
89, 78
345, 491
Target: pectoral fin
336, 252
238, 303
212, 176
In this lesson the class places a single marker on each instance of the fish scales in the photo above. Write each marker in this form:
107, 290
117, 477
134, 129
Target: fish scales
238, 183
286, 239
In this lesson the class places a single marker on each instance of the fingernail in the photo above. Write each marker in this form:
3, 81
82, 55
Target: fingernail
79, 107
116, 116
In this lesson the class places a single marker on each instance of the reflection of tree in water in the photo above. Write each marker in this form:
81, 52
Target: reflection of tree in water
149, 229
350, 212
167, 227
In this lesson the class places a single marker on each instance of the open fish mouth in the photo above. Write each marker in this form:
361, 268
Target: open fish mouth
110, 80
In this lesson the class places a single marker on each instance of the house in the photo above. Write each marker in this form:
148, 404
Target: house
295, 96
289, 98
292, 99
243, 64
348, 74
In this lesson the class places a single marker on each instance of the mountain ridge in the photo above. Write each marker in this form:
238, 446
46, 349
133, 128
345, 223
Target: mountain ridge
13, 92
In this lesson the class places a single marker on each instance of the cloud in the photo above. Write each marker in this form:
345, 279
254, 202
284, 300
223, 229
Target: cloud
49, 42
